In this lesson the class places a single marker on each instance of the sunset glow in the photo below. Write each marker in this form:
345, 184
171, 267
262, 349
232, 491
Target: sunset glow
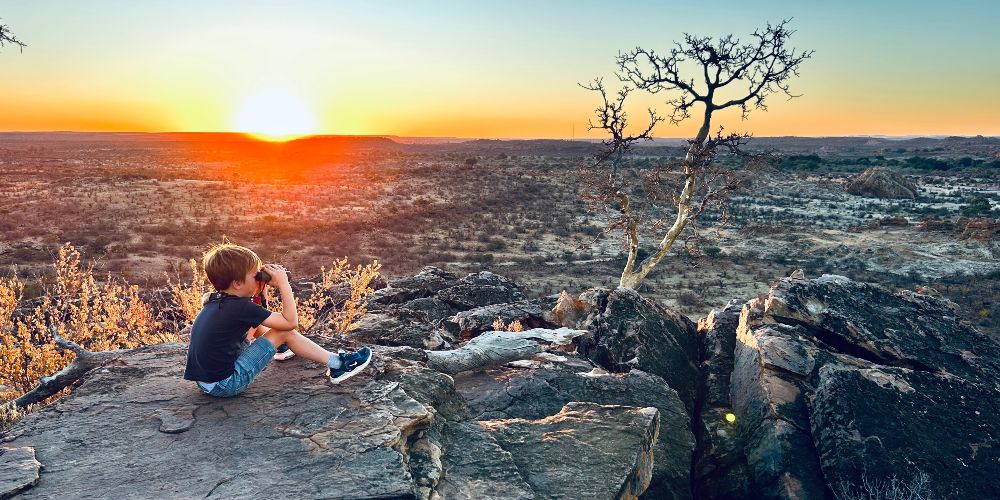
274, 115
467, 69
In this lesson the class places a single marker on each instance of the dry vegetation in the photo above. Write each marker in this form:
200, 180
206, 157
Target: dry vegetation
99, 316
102, 313
141, 205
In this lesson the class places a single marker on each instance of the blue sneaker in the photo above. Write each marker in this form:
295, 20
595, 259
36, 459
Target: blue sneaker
283, 353
351, 363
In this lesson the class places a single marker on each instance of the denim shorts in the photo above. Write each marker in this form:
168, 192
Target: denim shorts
249, 364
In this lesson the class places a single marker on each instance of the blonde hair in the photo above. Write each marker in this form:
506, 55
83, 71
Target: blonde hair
225, 263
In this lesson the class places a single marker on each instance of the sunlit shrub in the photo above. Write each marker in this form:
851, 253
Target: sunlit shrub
188, 296
340, 281
500, 326
99, 316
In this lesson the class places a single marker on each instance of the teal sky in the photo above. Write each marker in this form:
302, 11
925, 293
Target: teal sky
480, 69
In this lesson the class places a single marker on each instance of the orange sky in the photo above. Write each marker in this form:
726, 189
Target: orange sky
458, 69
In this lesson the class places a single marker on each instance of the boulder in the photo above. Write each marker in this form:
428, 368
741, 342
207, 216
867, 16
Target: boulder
586, 451
480, 289
836, 384
476, 466
885, 422
399, 327
428, 281
435, 310
390, 295
882, 183
628, 331
537, 387
979, 228
480, 319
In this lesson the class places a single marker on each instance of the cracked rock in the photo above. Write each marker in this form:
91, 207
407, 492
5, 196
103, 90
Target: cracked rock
837, 382
18, 470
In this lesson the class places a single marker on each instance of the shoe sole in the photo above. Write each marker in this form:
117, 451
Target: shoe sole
353, 372
281, 356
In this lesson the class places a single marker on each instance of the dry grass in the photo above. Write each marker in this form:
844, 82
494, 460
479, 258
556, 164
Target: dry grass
917, 488
344, 317
188, 296
98, 315
514, 326
11, 414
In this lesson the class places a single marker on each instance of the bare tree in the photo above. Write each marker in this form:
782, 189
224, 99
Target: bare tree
7, 37
715, 73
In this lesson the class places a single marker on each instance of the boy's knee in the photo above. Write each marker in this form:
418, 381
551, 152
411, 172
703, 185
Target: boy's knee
278, 337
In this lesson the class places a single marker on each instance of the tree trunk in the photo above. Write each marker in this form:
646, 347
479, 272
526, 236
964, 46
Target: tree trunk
496, 348
630, 277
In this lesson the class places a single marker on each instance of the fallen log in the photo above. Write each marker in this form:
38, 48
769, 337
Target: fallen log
496, 348
84, 362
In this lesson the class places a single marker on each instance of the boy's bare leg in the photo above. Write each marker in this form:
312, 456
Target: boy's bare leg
299, 344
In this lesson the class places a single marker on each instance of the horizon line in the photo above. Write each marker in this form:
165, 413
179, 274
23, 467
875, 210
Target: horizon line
446, 137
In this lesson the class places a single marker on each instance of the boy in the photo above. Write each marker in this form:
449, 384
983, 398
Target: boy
222, 360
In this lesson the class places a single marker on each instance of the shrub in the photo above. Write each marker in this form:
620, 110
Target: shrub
892, 489
97, 315
188, 296
340, 278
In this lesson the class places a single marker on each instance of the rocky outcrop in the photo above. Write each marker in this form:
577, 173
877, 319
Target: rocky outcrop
882, 183
547, 424
979, 228
628, 331
817, 387
292, 434
837, 382
935, 224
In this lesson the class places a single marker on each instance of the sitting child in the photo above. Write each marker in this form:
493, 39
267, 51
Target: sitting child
233, 339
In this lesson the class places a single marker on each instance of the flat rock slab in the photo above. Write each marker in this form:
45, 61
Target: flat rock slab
137, 430
539, 387
586, 451
18, 470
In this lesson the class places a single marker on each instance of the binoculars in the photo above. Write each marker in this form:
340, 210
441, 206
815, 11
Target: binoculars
266, 278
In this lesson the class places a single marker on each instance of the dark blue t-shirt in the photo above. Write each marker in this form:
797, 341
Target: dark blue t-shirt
219, 335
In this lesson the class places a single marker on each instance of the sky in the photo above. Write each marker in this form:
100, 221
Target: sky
495, 69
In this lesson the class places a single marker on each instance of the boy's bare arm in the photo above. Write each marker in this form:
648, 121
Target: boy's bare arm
289, 318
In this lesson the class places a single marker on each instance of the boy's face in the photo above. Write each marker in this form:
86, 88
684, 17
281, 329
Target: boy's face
248, 287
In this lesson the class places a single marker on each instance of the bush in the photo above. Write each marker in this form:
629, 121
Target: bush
344, 312
892, 489
188, 296
98, 316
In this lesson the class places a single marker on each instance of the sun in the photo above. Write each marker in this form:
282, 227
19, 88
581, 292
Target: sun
274, 115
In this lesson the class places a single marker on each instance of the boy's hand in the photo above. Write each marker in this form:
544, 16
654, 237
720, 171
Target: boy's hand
278, 274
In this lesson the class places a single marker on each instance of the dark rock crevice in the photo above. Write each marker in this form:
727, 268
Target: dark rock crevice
838, 343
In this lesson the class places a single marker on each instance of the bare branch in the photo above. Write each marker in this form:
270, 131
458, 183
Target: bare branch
6, 37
